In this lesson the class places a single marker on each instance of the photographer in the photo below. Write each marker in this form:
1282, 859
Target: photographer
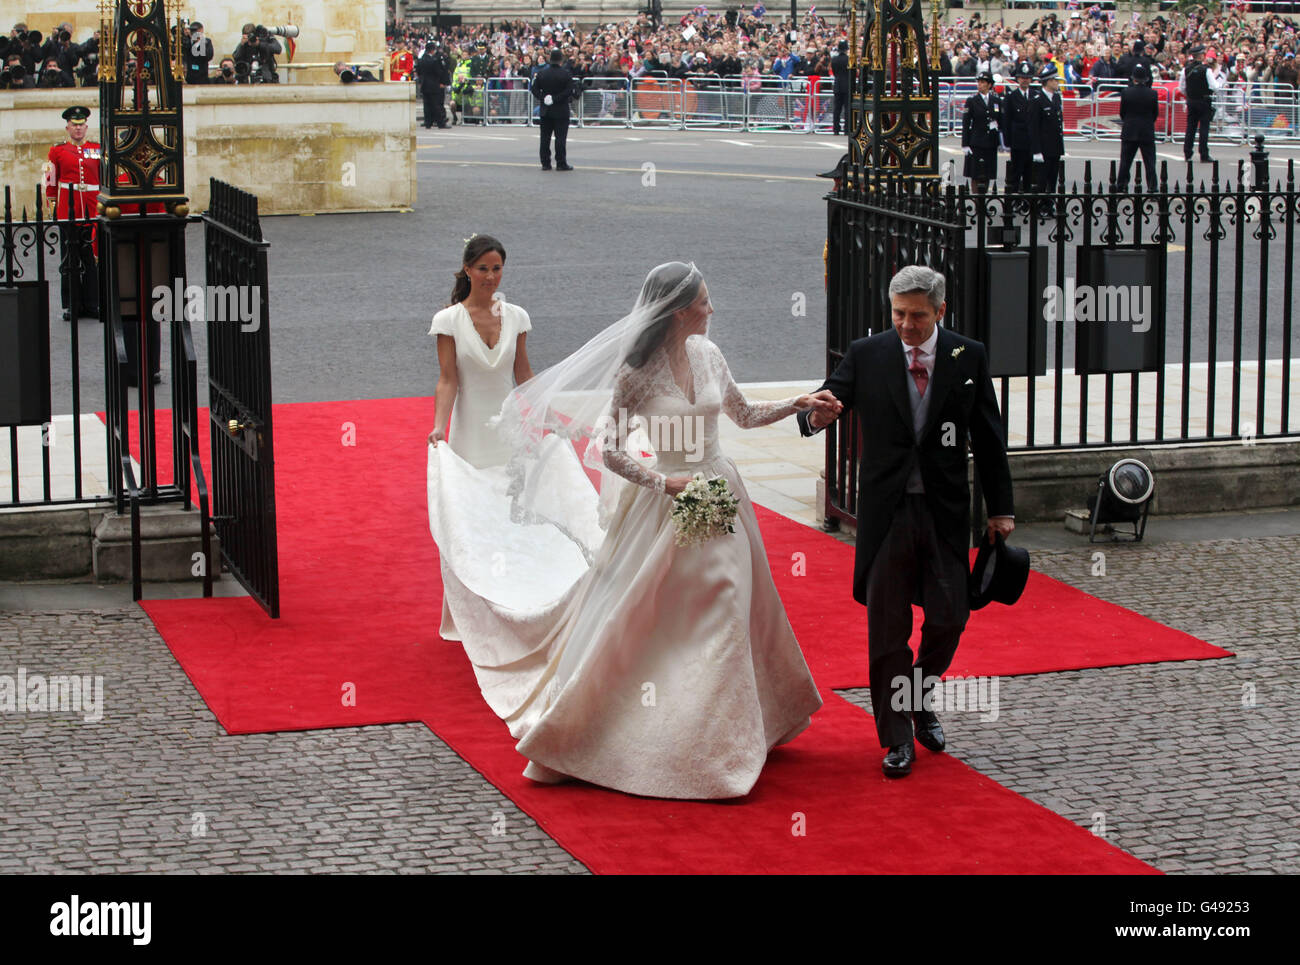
226, 75
88, 52
198, 52
15, 75
352, 75
255, 56
52, 77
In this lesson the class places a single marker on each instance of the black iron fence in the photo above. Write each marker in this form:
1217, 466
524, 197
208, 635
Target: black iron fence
1112, 317
239, 393
32, 250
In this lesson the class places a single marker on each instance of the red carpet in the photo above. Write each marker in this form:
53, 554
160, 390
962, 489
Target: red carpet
358, 645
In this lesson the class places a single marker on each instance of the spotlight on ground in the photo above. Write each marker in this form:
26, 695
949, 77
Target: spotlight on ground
1123, 496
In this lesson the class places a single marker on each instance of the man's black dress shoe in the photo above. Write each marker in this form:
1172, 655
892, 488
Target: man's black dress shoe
546, 167
564, 167
898, 762
928, 731
67, 315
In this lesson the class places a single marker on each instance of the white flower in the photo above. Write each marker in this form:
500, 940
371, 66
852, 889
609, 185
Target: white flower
958, 350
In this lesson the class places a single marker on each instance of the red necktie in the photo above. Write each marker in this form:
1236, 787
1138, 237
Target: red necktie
919, 374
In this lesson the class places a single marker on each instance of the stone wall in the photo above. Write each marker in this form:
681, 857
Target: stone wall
301, 150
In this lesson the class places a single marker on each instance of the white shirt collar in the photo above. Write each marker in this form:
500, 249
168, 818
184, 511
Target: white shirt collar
927, 349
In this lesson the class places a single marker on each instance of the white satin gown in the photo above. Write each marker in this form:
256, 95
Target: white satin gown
658, 670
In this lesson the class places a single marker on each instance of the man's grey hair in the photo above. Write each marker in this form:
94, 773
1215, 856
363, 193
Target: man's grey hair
918, 278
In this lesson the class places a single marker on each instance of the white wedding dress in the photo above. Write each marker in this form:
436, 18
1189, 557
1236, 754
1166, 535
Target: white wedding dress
485, 377
658, 670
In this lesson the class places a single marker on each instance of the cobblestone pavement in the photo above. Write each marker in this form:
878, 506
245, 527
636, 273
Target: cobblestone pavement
159, 786
1167, 759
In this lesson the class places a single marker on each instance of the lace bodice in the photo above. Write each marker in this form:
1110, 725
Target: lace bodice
682, 433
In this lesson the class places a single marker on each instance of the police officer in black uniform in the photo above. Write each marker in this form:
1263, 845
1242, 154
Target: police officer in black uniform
1015, 117
840, 70
1139, 108
553, 86
1047, 132
1194, 84
434, 76
981, 133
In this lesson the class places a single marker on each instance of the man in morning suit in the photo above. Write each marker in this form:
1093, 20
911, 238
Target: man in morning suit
1047, 132
553, 86
921, 394
981, 126
1139, 108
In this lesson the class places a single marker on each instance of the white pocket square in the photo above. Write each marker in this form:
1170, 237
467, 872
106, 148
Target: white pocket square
970, 381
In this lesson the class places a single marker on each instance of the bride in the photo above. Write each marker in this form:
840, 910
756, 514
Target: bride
614, 655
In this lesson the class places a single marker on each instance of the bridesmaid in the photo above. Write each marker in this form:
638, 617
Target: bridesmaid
481, 355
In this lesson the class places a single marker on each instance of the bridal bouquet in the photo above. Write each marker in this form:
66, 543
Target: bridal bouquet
704, 509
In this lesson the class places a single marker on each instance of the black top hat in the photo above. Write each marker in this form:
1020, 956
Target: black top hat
1024, 70
76, 113
838, 170
999, 574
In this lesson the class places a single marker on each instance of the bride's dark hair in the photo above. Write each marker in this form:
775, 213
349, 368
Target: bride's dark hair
669, 288
475, 248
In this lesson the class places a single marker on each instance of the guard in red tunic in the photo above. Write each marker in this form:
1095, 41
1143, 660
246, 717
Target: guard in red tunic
71, 178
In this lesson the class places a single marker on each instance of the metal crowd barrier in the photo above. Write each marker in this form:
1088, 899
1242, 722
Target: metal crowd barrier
805, 104
509, 101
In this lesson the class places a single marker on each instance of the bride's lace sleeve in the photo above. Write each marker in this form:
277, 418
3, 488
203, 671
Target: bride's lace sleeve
746, 414
630, 389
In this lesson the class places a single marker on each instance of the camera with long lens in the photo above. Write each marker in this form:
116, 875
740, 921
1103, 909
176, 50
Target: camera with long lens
65, 37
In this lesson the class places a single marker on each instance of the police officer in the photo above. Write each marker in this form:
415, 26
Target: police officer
71, 177
1015, 117
981, 133
434, 74
840, 70
1197, 85
553, 86
1047, 132
1139, 108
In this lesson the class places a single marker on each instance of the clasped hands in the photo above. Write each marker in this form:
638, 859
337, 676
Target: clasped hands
825, 407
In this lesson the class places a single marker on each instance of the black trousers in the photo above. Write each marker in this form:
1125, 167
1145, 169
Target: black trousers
839, 109
1047, 176
435, 108
912, 562
77, 267
559, 126
1021, 172
1127, 150
1199, 113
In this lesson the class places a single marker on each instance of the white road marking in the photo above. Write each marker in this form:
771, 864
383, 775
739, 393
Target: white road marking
725, 140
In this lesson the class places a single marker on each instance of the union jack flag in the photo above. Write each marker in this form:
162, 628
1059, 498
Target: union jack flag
1072, 5
759, 10
959, 23
1238, 4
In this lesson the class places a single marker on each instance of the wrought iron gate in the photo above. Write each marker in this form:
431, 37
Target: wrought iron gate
239, 392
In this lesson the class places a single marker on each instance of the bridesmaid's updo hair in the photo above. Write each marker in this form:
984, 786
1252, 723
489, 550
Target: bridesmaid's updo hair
669, 288
475, 248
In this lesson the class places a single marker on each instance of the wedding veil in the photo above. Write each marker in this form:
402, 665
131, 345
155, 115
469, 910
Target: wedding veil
562, 419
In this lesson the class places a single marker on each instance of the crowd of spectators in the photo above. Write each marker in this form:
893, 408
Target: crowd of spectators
1088, 46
